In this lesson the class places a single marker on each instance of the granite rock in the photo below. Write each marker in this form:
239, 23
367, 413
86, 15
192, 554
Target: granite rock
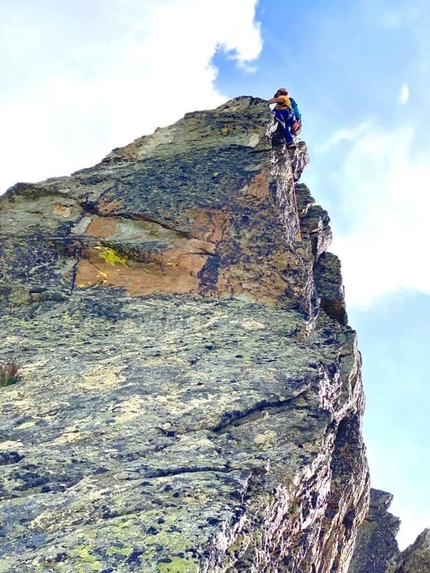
416, 558
187, 403
376, 548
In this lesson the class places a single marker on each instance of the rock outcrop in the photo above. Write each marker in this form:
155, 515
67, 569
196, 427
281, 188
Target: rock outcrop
416, 558
190, 396
376, 548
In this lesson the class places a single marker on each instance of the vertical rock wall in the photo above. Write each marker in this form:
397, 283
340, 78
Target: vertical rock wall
190, 396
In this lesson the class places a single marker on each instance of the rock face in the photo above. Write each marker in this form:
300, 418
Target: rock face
376, 549
376, 546
190, 396
416, 558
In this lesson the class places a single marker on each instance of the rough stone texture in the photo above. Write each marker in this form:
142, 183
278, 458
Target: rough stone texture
416, 558
328, 281
376, 548
186, 402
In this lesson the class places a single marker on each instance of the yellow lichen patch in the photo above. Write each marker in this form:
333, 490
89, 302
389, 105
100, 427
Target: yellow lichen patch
174, 270
82, 554
265, 439
162, 361
25, 405
252, 325
48, 417
179, 565
112, 257
175, 543
102, 375
130, 409
69, 436
10, 445
25, 425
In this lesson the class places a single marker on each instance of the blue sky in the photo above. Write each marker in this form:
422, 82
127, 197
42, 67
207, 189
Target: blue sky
80, 78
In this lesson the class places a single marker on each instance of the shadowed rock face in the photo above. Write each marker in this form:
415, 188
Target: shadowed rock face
376, 549
190, 396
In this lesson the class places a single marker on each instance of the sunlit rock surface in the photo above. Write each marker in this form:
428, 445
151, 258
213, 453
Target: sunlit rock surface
190, 396
376, 548
416, 558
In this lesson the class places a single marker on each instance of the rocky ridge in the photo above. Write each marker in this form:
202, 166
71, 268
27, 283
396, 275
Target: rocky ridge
376, 548
190, 396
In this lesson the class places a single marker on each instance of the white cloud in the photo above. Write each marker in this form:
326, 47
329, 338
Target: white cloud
385, 183
77, 94
346, 134
404, 95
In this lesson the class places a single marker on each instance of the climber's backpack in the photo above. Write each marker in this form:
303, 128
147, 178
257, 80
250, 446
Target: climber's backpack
295, 109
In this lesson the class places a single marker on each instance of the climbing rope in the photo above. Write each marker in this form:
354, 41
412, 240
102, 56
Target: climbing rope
291, 157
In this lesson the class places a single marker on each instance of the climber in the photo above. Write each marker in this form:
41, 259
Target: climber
288, 115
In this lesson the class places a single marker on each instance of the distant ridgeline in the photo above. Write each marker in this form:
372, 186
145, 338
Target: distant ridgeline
189, 395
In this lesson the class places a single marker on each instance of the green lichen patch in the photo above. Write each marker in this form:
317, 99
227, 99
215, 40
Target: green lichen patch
177, 565
86, 560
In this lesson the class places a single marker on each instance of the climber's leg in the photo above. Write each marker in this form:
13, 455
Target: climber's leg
286, 119
287, 131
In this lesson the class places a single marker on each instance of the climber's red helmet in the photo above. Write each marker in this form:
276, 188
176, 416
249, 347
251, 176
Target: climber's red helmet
281, 91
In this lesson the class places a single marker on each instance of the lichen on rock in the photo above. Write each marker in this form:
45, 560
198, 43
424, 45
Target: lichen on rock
191, 396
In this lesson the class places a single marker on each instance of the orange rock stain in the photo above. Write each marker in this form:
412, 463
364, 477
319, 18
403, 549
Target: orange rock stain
211, 225
102, 227
172, 271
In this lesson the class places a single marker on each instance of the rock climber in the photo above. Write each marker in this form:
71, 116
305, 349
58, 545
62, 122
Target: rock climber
288, 114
